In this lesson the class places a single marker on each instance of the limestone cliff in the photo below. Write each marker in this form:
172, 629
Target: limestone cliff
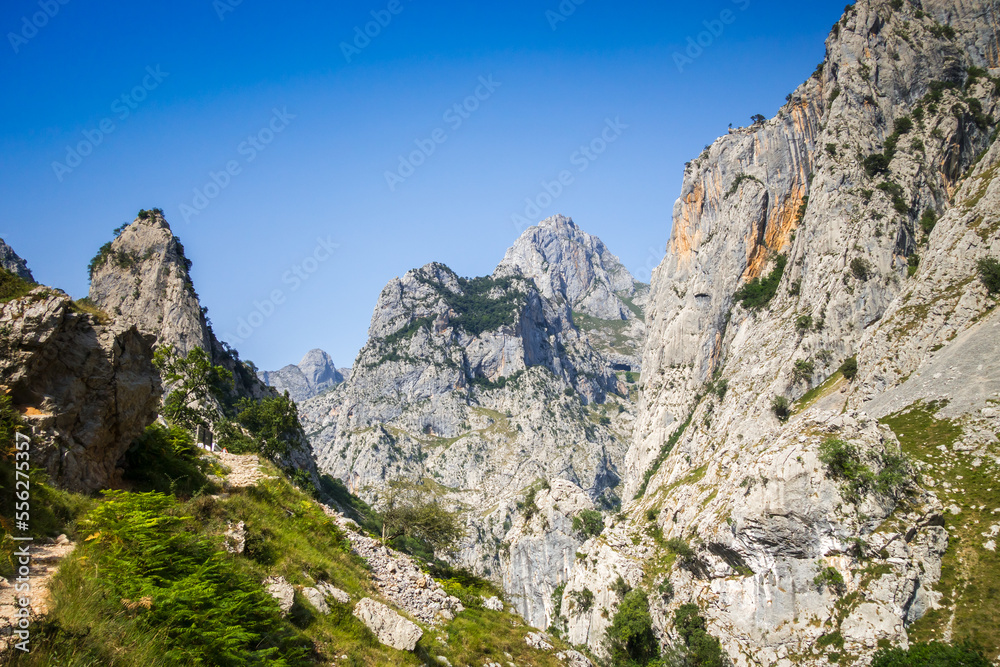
798, 243
482, 391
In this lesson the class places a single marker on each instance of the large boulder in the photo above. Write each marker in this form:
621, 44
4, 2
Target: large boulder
390, 628
87, 386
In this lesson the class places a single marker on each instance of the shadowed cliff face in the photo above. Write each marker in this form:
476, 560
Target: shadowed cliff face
867, 273
87, 390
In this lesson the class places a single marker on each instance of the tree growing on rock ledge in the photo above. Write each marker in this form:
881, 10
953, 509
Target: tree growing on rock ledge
411, 515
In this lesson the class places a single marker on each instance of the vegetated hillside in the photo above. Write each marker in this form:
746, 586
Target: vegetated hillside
821, 263
483, 391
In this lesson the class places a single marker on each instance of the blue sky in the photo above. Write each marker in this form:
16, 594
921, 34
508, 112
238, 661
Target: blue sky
308, 131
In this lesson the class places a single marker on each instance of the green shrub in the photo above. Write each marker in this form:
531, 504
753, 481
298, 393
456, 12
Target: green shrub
933, 654
942, 31
13, 286
830, 577
861, 269
273, 421
875, 164
803, 369
665, 450
989, 273
165, 459
912, 264
681, 548
843, 461
928, 220
484, 304
620, 587
782, 408
896, 194
528, 505
589, 522
703, 650
193, 380
630, 641
758, 292
831, 150
804, 322
849, 369
742, 178
584, 600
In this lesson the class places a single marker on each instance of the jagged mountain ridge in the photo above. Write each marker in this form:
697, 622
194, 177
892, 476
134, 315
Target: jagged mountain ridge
480, 389
313, 375
710, 462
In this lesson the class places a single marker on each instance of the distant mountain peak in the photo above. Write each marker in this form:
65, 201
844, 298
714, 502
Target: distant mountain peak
571, 266
12, 262
312, 376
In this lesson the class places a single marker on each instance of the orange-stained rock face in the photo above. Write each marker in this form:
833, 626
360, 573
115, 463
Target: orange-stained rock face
685, 237
782, 220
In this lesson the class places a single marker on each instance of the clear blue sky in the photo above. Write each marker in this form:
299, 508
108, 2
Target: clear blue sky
323, 175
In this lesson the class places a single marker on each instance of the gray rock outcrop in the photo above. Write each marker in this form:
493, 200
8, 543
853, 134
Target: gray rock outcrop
87, 387
282, 591
389, 627
10, 261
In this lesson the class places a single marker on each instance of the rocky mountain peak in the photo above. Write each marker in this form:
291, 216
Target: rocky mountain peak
312, 376
573, 267
10, 261
144, 277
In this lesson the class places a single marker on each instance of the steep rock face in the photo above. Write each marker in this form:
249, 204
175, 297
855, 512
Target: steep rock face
847, 256
87, 389
143, 278
479, 390
313, 375
570, 266
10, 261
710, 463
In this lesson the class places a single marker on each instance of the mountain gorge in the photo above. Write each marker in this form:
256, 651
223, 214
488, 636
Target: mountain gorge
784, 450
